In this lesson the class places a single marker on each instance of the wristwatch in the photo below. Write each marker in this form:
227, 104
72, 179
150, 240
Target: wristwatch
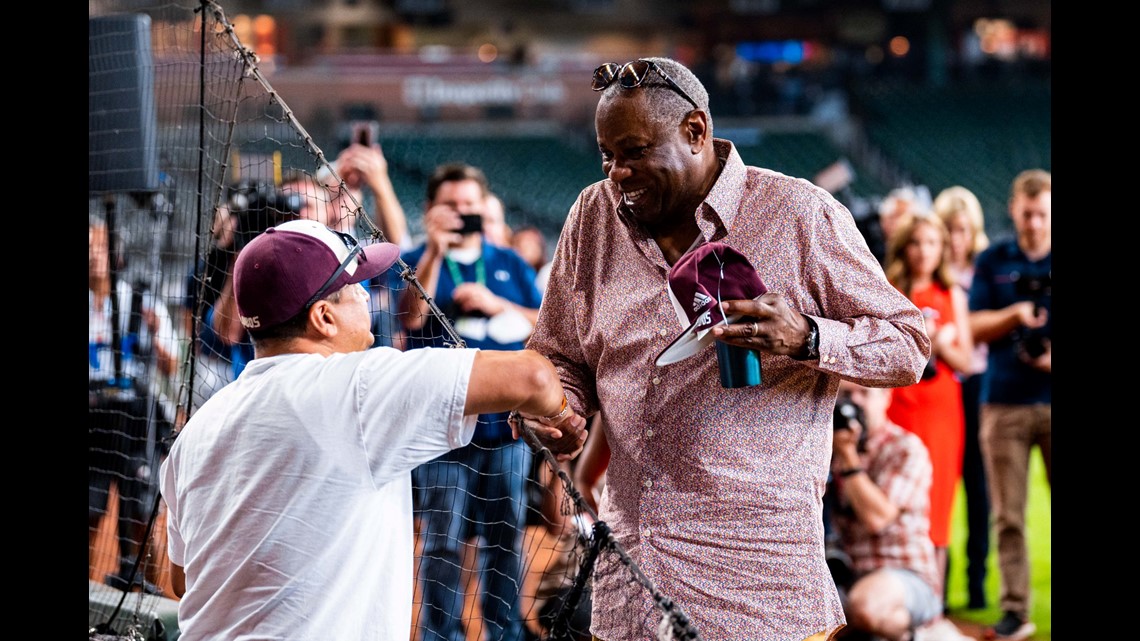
811, 351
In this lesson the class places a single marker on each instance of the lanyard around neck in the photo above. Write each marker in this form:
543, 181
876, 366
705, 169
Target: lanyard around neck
480, 271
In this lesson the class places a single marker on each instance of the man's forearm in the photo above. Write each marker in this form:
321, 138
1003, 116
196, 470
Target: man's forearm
389, 212
988, 325
870, 503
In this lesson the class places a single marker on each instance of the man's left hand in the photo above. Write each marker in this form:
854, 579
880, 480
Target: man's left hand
768, 325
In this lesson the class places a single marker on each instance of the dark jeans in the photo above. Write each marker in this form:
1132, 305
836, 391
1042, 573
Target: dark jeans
468, 492
977, 495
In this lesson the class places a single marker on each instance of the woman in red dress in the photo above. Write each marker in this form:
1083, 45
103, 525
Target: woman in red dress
917, 263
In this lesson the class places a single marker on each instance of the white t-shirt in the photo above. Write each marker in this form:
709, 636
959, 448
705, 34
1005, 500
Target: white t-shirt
289, 493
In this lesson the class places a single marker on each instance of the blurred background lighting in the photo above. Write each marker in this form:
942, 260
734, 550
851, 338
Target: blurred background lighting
900, 46
488, 52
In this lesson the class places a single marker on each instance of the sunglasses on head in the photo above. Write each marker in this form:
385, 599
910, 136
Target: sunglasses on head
355, 248
633, 74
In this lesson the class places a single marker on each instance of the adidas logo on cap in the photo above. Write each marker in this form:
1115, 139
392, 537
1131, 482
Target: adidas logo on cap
700, 299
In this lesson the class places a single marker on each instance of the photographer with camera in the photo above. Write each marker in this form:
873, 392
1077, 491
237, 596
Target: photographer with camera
489, 296
890, 584
251, 207
1010, 302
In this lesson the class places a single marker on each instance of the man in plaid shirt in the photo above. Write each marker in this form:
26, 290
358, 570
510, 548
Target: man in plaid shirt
882, 516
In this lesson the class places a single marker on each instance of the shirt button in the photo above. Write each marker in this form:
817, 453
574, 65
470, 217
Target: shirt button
648, 483
648, 532
656, 380
649, 433
664, 332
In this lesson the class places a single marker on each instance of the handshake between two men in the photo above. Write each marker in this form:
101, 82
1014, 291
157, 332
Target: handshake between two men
527, 384
563, 433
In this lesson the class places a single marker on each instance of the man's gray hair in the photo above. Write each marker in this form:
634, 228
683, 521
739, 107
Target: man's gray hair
668, 105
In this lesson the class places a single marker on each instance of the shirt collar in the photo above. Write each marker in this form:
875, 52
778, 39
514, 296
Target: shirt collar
719, 208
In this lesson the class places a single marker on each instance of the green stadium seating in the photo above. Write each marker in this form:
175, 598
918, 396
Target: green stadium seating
539, 177
977, 134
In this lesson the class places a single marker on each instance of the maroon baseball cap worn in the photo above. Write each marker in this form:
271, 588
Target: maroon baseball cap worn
289, 267
698, 282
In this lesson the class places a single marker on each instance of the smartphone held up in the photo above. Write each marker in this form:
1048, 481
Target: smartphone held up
365, 132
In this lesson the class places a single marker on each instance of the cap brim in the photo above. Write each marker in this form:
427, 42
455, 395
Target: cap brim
379, 257
689, 343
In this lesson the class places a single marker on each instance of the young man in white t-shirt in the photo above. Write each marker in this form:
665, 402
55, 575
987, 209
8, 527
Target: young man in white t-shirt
289, 491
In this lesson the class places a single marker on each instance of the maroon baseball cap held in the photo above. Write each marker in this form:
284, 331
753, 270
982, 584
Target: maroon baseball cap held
698, 282
287, 268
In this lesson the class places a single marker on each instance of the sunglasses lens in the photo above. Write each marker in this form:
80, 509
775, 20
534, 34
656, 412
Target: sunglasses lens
633, 74
603, 76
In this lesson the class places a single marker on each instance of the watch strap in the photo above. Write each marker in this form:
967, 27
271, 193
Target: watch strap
811, 347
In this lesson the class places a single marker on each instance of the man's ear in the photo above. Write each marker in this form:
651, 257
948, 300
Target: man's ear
322, 318
697, 129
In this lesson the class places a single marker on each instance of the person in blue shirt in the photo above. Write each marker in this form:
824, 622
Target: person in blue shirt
1010, 310
489, 297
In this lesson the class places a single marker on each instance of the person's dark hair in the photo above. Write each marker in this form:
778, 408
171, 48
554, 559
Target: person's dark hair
455, 172
295, 327
670, 106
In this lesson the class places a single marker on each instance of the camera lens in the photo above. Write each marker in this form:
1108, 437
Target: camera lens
844, 412
1033, 345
